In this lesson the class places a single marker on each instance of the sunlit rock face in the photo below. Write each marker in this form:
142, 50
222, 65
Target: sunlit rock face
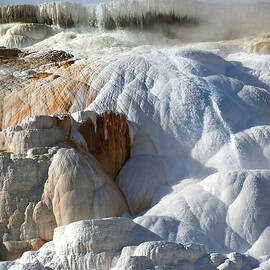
108, 139
23, 68
50, 178
42, 84
49, 95
82, 192
133, 181
202, 118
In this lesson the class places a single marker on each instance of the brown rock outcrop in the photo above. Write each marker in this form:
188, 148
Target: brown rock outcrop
48, 57
108, 140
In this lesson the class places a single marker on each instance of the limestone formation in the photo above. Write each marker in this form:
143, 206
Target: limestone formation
21, 68
90, 244
41, 83
166, 253
106, 139
206, 154
77, 188
133, 181
22, 177
135, 262
50, 57
51, 176
53, 83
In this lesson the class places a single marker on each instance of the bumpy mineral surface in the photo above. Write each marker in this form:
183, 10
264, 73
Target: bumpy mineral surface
54, 169
193, 164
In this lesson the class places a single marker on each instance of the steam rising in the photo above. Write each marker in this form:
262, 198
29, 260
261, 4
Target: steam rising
156, 22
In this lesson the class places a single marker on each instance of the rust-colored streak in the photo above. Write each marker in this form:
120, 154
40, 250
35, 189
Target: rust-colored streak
61, 84
109, 142
16, 118
50, 95
41, 75
67, 64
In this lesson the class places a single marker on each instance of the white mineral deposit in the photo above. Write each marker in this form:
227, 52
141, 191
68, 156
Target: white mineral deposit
134, 135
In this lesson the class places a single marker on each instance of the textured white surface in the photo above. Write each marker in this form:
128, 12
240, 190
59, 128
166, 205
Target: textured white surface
49, 181
206, 117
205, 125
